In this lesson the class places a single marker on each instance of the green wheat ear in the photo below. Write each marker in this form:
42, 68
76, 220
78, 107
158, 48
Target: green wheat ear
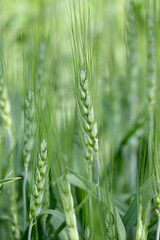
89, 124
110, 226
68, 206
5, 113
14, 225
39, 185
29, 128
29, 131
140, 234
5, 107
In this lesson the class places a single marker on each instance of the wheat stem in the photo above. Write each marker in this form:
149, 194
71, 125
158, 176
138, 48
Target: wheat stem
30, 230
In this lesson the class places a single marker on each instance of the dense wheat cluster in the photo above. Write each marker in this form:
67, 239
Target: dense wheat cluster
79, 120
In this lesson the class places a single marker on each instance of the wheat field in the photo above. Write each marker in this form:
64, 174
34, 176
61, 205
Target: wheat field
79, 120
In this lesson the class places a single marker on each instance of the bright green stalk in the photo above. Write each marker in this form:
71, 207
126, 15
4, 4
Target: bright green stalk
39, 186
157, 201
158, 229
29, 130
68, 206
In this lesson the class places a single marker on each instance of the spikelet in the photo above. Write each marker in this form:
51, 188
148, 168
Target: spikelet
140, 231
87, 234
46, 201
157, 200
110, 226
68, 206
14, 225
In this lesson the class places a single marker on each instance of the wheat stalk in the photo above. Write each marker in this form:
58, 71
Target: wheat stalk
157, 201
